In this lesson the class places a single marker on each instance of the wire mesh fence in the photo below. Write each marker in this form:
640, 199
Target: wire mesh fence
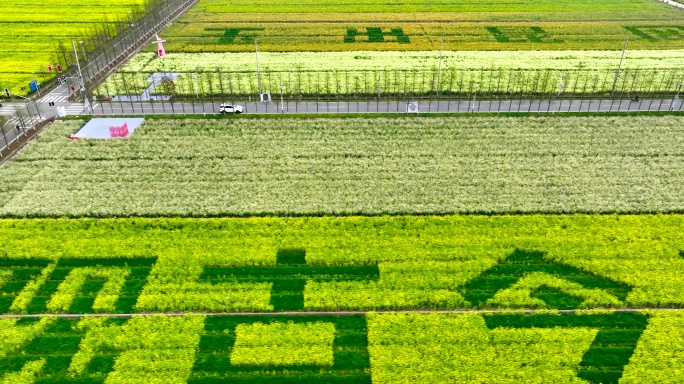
419, 83
18, 122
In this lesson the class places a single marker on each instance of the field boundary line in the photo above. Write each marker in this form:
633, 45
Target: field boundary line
345, 313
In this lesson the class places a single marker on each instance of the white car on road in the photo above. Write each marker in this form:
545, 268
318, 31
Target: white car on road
230, 108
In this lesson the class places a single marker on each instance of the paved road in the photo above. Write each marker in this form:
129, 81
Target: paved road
22, 115
30, 113
385, 106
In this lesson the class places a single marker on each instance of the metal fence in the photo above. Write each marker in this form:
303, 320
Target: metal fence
17, 126
472, 103
362, 84
104, 56
107, 47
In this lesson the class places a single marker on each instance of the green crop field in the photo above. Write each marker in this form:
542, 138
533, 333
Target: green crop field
352, 166
351, 74
31, 32
354, 250
354, 48
380, 348
600, 265
353, 263
359, 271
357, 25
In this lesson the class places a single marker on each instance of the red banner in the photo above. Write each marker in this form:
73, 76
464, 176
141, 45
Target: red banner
119, 131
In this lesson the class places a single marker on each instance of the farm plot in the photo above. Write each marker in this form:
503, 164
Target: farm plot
364, 73
355, 263
575, 261
32, 32
378, 348
513, 348
229, 26
352, 166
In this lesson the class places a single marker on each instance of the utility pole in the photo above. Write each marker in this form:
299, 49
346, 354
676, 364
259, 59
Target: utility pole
620, 66
439, 68
282, 103
81, 80
256, 49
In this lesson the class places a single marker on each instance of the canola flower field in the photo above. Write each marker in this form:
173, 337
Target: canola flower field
356, 250
366, 166
420, 295
31, 31
353, 25
599, 265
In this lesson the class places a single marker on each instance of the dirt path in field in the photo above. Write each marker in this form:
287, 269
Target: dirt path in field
345, 313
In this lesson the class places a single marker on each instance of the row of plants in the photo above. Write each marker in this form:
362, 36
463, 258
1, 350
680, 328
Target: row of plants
363, 166
549, 73
382, 348
355, 263
285, 32
355, 6
373, 61
400, 84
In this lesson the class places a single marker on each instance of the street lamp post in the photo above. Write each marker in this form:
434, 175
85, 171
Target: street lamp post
194, 80
81, 79
282, 104
474, 96
439, 68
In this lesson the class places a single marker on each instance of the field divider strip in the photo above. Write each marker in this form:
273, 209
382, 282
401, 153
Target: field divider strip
344, 313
